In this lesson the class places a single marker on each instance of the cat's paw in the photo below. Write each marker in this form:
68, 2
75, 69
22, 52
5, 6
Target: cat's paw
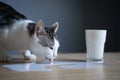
29, 56
5, 58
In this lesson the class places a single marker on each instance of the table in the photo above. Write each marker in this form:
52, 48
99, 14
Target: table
110, 70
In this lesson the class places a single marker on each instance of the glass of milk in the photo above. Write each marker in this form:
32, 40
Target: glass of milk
95, 42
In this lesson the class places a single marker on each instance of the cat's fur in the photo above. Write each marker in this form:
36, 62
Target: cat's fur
19, 33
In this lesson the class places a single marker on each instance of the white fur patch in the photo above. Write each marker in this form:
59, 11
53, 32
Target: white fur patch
55, 48
16, 37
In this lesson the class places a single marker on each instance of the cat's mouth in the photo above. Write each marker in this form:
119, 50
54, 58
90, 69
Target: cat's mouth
51, 60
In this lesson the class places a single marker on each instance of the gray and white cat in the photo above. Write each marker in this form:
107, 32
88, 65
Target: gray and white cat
18, 33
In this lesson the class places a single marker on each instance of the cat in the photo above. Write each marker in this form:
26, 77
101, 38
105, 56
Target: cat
18, 33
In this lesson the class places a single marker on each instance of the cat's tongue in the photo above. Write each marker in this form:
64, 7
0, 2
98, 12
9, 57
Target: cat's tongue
51, 60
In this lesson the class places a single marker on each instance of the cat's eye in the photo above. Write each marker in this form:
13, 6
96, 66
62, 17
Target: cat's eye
51, 48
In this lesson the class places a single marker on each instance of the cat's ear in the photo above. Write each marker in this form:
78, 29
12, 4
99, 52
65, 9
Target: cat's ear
39, 26
40, 31
54, 27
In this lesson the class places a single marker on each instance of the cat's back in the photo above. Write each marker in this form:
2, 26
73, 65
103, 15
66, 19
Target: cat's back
13, 27
8, 15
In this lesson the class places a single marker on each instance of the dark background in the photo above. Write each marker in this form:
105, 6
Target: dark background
74, 16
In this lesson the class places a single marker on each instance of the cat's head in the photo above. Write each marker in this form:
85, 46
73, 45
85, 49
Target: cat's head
44, 40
